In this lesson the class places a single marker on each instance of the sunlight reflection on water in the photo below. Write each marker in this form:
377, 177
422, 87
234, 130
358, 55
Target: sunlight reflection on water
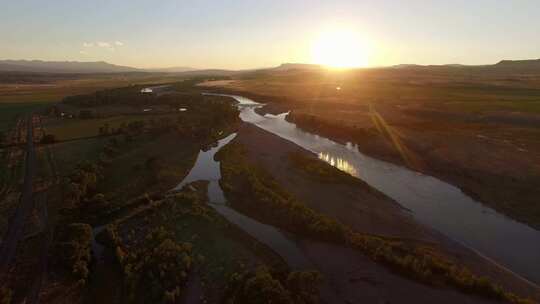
339, 163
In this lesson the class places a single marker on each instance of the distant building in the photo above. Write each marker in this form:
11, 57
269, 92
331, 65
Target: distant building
146, 90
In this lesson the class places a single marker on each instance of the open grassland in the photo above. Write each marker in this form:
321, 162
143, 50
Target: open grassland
150, 162
70, 153
73, 128
22, 87
467, 90
21, 93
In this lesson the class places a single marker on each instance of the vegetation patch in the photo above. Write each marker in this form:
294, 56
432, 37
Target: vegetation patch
72, 250
6, 295
161, 267
9, 112
202, 242
69, 154
265, 285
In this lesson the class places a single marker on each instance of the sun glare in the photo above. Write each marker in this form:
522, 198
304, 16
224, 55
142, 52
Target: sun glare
340, 49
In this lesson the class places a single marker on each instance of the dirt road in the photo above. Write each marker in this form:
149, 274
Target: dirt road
15, 229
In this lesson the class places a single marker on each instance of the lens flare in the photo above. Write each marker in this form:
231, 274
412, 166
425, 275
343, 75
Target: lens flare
340, 49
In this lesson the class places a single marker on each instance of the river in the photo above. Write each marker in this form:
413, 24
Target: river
433, 202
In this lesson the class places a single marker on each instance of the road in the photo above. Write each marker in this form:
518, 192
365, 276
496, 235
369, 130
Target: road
16, 225
47, 232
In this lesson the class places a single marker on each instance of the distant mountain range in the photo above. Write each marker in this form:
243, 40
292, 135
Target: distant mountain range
296, 66
62, 67
39, 66
171, 70
530, 64
503, 64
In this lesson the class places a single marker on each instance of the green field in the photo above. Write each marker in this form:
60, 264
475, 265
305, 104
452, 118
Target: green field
10, 111
129, 174
69, 154
67, 129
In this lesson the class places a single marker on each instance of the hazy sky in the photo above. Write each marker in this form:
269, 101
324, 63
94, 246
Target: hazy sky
259, 33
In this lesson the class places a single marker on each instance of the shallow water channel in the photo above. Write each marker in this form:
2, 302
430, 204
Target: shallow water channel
206, 168
435, 203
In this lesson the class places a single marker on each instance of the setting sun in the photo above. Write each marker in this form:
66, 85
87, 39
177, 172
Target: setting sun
340, 49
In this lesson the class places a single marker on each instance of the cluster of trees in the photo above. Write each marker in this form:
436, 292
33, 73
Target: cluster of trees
81, 193
263, 285
428, 268
86, 114
254, 191
158, 270
131, 95
48, 139
5, 295
81, 184
156, 267
205, 121
73, 249
132, 128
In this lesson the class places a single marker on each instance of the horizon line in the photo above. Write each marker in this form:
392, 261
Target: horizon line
190, 68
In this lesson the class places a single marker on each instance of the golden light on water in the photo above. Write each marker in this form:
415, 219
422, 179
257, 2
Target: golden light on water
339, 163
340, 48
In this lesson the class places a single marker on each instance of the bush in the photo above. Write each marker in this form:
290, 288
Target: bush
73, 249
5, 295
86, 114
48, 139
304, 286
266, 286
82, 183
109, 236
160, 269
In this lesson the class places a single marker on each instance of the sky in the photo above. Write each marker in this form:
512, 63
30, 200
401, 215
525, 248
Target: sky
239, 34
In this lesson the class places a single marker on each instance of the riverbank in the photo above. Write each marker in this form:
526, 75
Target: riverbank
359, 206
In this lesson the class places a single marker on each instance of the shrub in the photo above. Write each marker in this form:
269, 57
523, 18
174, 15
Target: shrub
86, 114
73, 249
161, 267
109, 236
304, 286
5, 295
48, 139
263, 285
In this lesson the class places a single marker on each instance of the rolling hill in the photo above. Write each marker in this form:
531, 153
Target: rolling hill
62, 67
